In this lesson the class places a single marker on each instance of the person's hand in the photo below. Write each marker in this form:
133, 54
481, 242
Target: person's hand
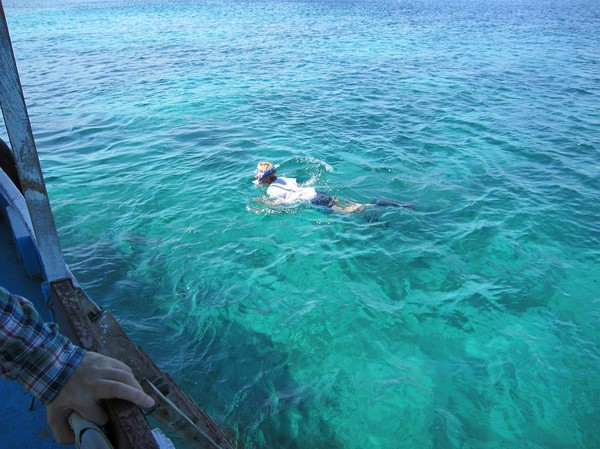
96, 377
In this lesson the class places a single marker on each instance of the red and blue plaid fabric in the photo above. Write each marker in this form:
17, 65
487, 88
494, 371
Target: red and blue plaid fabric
33, 352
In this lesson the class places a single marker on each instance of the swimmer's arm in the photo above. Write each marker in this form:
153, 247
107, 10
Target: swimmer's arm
271, 209
269, 201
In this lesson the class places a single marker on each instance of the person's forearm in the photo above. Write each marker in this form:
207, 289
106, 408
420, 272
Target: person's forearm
270, 201
33, 352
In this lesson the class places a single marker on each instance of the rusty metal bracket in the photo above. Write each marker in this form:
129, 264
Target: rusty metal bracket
97, 330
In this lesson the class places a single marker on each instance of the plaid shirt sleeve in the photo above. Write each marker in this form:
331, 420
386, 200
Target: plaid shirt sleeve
33, 352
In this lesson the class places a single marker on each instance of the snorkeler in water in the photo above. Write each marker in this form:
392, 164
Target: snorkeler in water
286, 191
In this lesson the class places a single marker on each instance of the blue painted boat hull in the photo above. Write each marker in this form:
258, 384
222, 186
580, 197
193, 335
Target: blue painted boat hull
22, 422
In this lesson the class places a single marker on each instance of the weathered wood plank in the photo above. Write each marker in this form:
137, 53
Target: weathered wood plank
19, 131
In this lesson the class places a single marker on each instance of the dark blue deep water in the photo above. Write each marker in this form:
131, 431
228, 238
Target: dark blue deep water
470, 321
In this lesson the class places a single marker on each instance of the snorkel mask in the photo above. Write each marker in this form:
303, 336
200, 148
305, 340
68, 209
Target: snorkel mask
266, 174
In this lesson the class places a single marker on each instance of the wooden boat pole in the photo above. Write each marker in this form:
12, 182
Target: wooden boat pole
20, 134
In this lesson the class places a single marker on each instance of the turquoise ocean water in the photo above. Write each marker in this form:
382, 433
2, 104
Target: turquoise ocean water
468, 322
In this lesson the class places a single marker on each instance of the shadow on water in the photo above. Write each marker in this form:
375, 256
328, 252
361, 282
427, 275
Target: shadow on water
248, 378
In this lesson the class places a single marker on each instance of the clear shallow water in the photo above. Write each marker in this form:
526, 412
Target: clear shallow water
469, 322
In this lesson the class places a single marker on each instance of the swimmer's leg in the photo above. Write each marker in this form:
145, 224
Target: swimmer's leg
334, 204
349, 208
391, 203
